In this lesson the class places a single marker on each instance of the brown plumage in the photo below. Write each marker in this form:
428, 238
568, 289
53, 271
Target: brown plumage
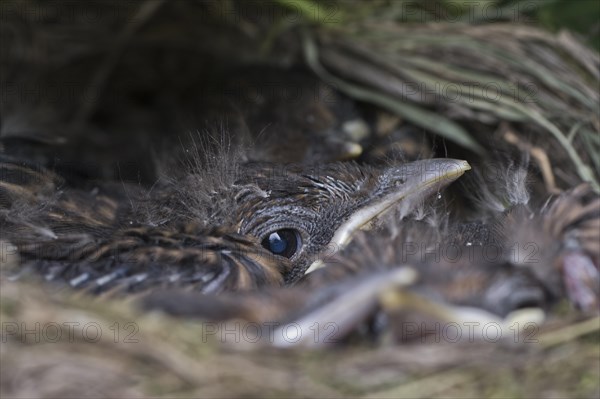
89, 239
561, 245
265, 227
519, 259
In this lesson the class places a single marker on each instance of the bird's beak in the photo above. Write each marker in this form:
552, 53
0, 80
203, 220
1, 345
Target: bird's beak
403, 186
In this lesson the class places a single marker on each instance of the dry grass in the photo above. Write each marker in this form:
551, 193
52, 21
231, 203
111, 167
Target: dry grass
147, 67
174, 358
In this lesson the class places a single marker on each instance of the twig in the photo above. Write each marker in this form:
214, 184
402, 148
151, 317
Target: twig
570, 333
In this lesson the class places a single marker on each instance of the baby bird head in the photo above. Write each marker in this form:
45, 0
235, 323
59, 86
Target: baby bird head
306, 214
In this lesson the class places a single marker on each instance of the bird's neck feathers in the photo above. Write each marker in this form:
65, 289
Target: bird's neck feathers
201, 185
496, 187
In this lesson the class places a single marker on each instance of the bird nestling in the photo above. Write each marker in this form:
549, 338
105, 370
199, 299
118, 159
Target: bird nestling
431, 270
268, 225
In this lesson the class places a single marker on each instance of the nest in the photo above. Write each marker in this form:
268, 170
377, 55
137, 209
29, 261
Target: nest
99, 89
87, 348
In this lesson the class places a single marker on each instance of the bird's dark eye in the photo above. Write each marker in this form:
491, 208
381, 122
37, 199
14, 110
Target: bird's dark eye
284, 242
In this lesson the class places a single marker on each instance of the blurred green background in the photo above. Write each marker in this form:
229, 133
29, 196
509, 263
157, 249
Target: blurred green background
580, 16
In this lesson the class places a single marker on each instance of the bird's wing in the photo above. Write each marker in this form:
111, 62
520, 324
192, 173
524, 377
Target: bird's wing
87, 239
